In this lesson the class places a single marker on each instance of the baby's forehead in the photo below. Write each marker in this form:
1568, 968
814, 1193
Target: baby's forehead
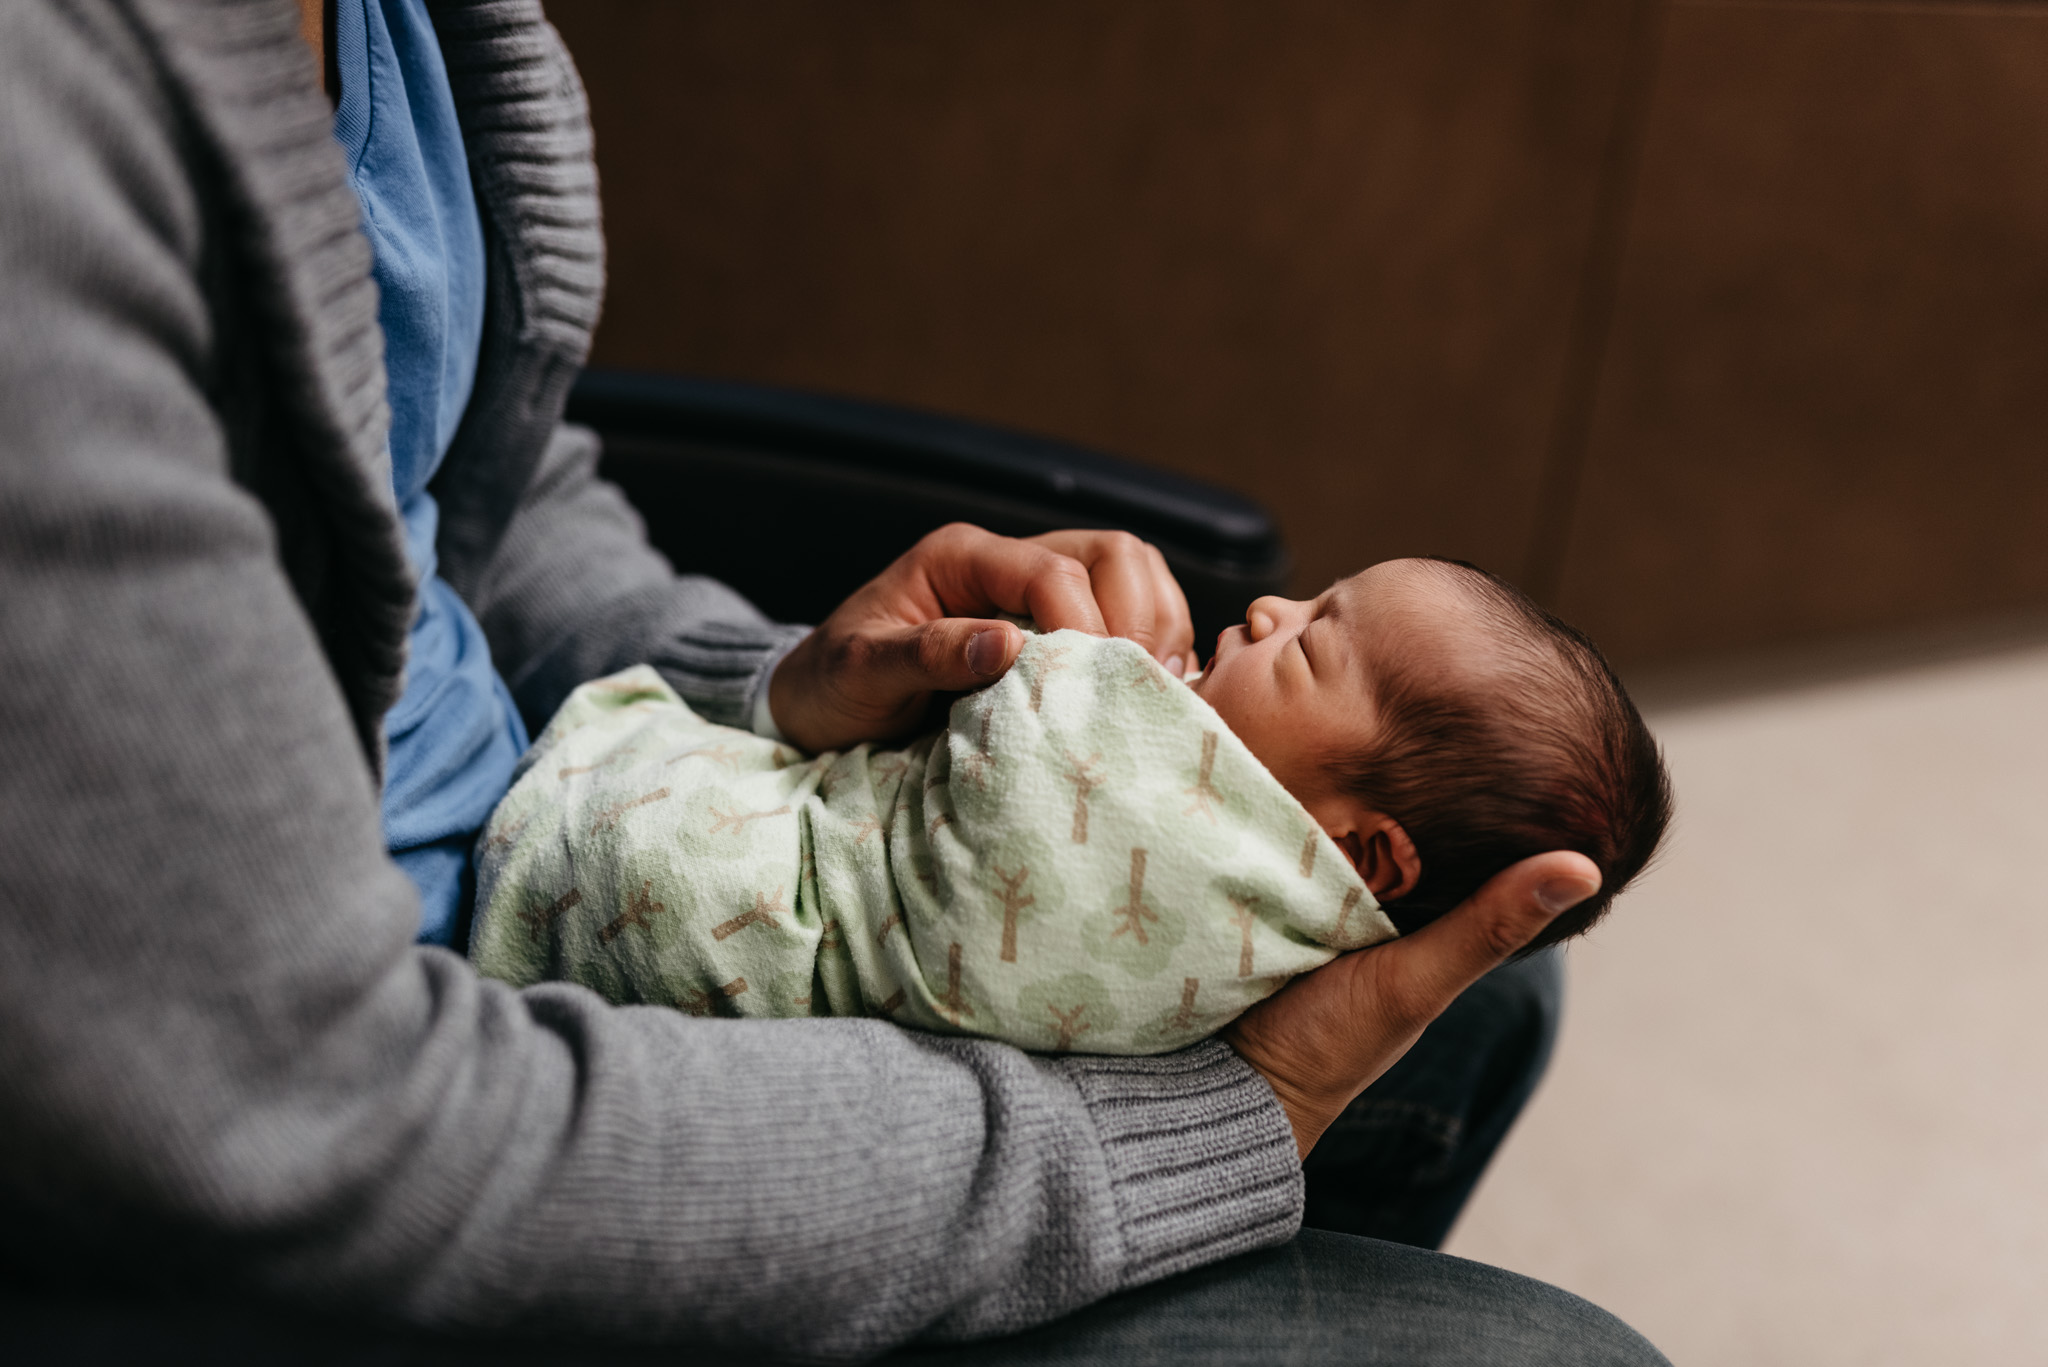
1412, 594
1420, 619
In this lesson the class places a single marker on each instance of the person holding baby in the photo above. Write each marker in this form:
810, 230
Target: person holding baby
295, 556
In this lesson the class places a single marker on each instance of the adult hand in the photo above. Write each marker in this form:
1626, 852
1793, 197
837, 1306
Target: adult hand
1326, 1036
922, 626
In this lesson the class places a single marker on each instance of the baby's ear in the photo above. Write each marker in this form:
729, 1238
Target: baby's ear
1383, 855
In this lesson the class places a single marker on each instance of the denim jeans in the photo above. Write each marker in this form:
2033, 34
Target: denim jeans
1396, 1168
1325, 1299
1402, 1159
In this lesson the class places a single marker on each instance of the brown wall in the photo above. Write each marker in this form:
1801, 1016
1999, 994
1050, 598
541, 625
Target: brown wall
1717, 324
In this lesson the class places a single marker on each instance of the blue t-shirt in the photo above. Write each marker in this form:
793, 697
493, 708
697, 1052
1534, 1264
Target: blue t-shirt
455, 735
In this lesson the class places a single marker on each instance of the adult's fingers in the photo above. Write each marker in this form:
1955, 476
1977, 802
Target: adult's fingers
1176, 648
950, 655
1137, 594
1121, 577
970, 571
1419, 975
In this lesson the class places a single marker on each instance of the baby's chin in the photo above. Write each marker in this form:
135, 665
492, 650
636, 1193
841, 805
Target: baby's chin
1204, 687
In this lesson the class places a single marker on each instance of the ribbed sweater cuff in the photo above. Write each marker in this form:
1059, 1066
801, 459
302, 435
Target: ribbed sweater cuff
1200, 1153
719, 668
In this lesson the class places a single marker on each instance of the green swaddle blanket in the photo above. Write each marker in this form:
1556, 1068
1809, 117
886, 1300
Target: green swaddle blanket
1084, 859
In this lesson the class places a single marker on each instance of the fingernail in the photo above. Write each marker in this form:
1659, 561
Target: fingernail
985, 652
1174, 665
1562, 894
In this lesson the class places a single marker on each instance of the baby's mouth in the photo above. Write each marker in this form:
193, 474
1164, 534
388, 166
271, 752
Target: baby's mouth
1195, 678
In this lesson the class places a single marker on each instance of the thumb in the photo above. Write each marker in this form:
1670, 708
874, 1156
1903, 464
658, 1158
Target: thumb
950, 655
1445, 957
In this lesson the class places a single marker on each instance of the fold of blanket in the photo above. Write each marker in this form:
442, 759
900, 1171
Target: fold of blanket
1085, 859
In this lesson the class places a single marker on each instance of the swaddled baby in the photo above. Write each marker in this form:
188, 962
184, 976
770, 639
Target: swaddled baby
1092, 855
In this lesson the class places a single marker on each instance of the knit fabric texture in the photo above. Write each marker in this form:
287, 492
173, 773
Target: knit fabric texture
226, 1065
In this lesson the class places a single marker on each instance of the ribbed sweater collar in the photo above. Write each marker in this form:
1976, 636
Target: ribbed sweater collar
293, 233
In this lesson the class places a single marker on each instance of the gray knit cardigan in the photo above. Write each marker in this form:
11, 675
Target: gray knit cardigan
222, 1060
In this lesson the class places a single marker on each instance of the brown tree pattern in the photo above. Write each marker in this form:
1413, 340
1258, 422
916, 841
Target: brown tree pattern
1308, 855
737, 821
951, 1004
1204, 792
1069, 1025
609, 817
698, 1002
1184, 1019
508, 834
723, 755
640, 912
1351, 901
1014, 900
1133, 914
764, 913
540, 920
974, 766
895, 920
1050, 661
1081, 773
1244, 918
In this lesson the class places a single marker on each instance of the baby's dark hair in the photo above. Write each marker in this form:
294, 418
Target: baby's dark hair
1550, 754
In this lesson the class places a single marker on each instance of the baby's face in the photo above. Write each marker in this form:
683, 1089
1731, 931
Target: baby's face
1296, 681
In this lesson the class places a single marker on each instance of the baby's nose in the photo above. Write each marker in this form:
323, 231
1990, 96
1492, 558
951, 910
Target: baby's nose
1262, 616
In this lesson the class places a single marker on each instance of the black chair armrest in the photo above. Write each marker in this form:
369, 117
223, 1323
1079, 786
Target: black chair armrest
796, 499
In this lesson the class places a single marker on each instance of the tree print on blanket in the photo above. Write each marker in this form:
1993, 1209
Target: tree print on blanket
765, 912
639, 913
698, 1001
1136, 933
737, 821
1189, 1020
1081, 773
1245, 916
1059, 1014
623, 751
951, 1003
1047, 662
722, 755
975, 764
1089, 875
1206, 798
1014, 899
608, 819
540, 920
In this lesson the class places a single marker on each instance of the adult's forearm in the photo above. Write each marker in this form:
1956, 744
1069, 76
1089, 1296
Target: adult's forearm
575, 592
220, 1037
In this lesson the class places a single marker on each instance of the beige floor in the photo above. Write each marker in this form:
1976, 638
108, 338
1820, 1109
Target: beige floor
1799, 1114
